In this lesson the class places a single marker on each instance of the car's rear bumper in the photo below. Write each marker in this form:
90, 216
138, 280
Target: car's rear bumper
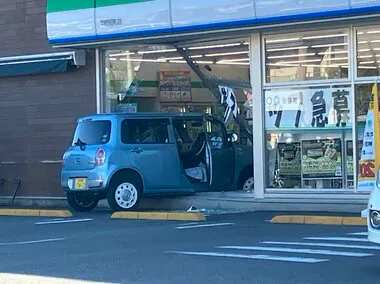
95, 180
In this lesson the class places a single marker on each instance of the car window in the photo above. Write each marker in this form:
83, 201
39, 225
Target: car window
216, 133
187, 131
93, 132
145, 131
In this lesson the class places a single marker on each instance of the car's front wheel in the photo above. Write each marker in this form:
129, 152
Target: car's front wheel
82, 202
124, 195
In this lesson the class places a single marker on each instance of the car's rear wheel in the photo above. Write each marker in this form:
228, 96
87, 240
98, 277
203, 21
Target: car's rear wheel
124, 195
82, 202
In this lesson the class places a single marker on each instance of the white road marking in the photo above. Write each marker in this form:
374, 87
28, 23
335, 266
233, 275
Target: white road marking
204, 226
189, 224
306, 251
63, 221
32, 242
259, 257
336, 239
330, 245
52, 219
359, 234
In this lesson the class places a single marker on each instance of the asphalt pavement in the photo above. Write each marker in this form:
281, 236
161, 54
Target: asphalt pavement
227, 248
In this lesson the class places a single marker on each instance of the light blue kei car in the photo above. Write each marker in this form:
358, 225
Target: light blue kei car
123, 157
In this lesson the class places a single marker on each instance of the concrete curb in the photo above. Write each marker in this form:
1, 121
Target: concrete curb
169, 216
35, 212
323, 220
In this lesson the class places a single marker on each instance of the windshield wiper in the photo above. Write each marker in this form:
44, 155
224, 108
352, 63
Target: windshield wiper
81, 144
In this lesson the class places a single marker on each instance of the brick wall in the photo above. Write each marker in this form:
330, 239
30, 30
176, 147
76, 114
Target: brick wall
37, 112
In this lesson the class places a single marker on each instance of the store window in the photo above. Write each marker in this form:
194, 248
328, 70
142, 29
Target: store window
368, 51
155, 78
309, 133
319, 55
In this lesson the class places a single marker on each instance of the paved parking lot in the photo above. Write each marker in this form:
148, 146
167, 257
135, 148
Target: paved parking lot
235, 248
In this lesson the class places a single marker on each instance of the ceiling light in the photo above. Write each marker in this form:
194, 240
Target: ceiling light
226, 53
367, 62
142, 60
282, 40
337, 58
232, 63
284, 65
214, 46
366, 56
364, 50
360, 33
156, 51
121, 54
324, 65
329, 45
373, 32
300, 61
324, 36
234, 60
287, 48
363, 42
367, 67
179, 58
332, 52
198, 62
291, 55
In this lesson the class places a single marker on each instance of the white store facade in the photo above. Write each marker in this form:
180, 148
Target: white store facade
309, 66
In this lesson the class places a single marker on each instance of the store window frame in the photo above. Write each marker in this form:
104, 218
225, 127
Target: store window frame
350, 40
350, 80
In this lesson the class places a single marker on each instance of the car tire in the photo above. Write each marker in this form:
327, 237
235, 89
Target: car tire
81, 202
125, 194
246, 181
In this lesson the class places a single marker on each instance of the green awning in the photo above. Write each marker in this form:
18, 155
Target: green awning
39, 63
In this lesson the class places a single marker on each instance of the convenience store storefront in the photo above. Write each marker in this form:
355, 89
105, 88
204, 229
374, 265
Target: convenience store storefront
310, 69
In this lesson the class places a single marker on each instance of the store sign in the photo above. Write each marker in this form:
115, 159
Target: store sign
321, 158
308, 108
175, 86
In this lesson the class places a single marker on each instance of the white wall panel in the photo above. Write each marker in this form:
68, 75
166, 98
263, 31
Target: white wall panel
195, 12
268, 8
364, 3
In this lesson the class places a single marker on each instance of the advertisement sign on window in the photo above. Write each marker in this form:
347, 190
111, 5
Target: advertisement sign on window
175, 86
308, 108
289, 163
321, 158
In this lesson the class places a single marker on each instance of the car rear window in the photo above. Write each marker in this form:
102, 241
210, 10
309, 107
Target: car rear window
93, 132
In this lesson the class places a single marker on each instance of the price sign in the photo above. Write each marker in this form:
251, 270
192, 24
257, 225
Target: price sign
367, 170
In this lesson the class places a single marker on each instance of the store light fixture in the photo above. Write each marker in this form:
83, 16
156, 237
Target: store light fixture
287, 48
156, 51
214, 46
226, 53
333, 52
329, 45
367, 67
291, 55
324, 36
233, 63
143, 60
366, 56
198, 62
282, 65
234, 60
337, 58
364, 50
283, 40
367, 62
300, 61
180, 58
121, 54
373, 32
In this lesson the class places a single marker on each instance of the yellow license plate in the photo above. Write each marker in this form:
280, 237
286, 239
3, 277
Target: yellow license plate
80, 183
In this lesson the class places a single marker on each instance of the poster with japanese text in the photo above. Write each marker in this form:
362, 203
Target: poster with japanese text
175, 86
289, 155
367, 167
308, 109
321, 158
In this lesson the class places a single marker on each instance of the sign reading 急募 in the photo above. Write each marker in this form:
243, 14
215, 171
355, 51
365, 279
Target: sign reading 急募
83, 20
308, 109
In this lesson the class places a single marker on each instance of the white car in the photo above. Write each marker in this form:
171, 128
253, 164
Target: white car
373, 213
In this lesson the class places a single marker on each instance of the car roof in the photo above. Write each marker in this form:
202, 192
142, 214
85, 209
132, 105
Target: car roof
111, 116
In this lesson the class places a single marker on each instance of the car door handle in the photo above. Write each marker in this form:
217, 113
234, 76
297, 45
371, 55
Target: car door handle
137, 150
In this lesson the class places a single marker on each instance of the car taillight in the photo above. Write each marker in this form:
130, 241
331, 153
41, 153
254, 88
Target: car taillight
100, 157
